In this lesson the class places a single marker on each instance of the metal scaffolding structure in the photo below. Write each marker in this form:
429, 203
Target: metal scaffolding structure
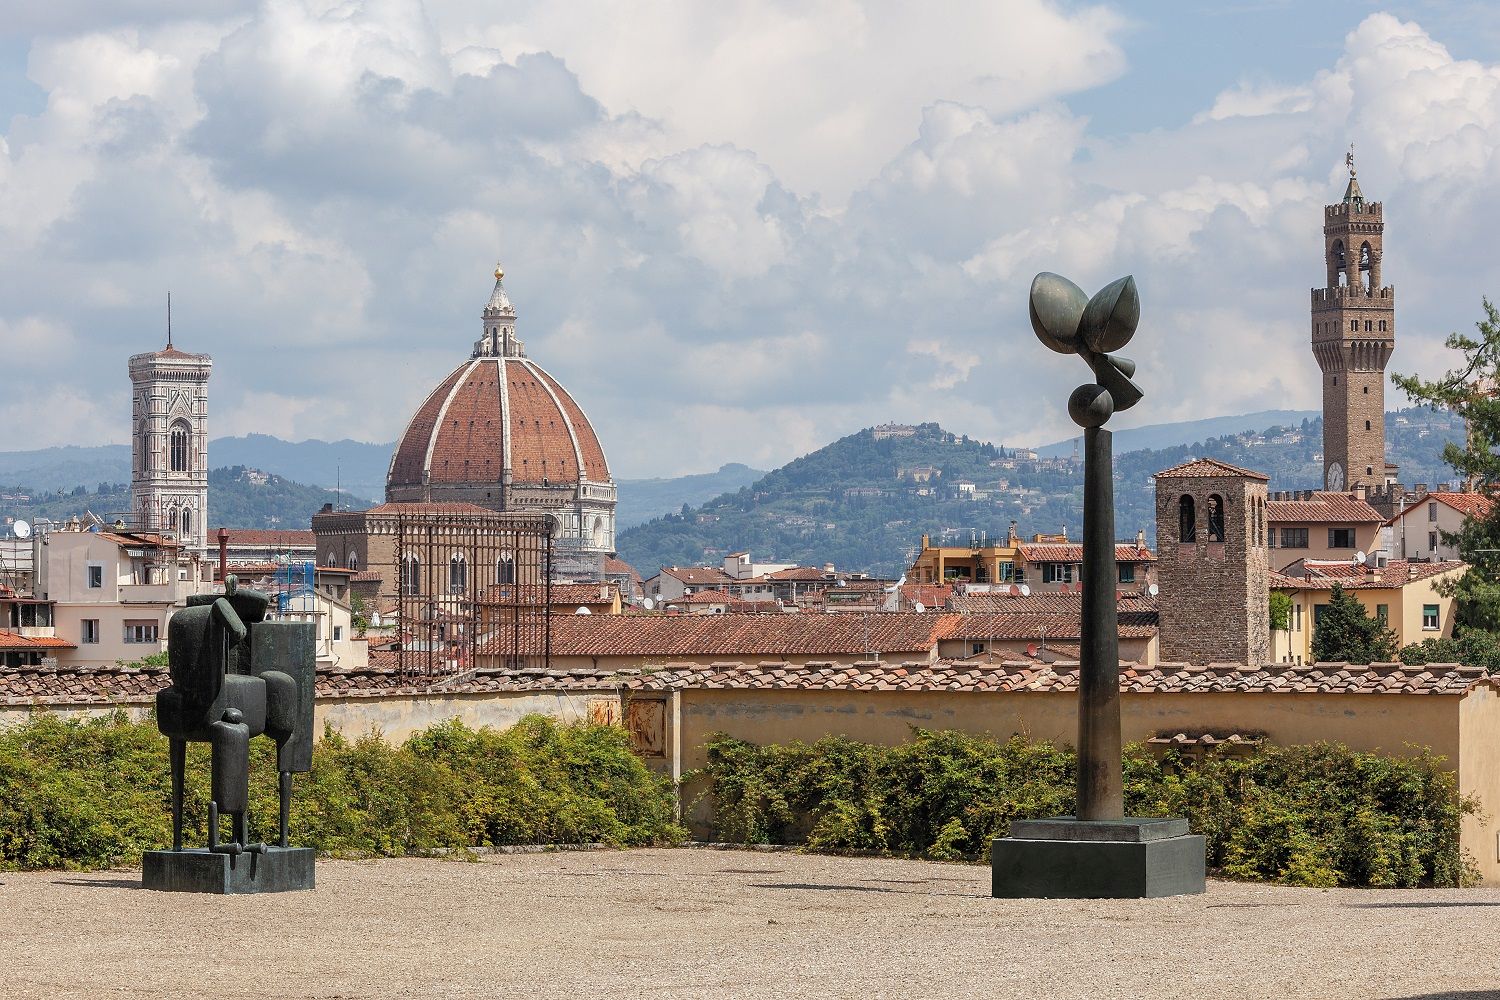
467, 581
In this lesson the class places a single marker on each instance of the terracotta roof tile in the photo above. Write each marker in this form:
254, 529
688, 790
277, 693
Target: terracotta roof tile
695, 576
1311, 574
1200, 468
1324, 506
14, 641
1470, 505
1039, 552
739, 635
264, 538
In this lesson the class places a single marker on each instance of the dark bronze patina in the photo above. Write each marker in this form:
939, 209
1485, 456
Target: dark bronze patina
1069, 322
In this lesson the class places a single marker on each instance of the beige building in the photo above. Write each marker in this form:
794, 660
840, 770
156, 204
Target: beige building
1320, 524
1416, 532
113, 592
1405, 595
1058, 566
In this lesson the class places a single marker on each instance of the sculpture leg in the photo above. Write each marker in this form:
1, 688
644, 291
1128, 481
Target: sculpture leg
230, 753
177, 751
286, 804
213, 825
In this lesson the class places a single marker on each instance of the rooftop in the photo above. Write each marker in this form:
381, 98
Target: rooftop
1204, 468
1324, 506
127, 685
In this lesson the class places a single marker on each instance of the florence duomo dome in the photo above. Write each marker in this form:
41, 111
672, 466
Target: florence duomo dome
502, 433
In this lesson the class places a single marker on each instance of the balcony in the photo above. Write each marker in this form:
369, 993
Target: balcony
152, 593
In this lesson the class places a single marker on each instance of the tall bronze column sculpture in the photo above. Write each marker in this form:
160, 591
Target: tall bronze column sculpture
1099, 852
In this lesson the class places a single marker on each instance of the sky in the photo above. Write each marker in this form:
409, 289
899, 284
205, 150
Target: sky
735, 231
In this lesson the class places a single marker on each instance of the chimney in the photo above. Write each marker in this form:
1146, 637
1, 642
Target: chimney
1421, 490
1011, 538
1361, 491
1442, 487
828, 569
1140, 540
1065, 533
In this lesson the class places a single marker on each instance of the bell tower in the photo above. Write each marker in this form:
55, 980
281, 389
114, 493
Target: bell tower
1353, 335
169, 442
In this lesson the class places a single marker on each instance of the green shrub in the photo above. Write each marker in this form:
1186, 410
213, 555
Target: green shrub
89, 794
1306, 815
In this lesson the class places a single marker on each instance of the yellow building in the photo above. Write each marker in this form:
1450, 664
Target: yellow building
1404, 594
994, 563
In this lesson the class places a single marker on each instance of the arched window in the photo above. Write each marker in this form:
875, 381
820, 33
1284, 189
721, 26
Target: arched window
1215, 518
169, 520
1382, 326
1367, 425
505, 569
1368, 326
599, 539
331, 560
411, 576
179, 447
1354, 326
458, 574
1187, 519
353, 561
187, 522
1336, 264
1367, 265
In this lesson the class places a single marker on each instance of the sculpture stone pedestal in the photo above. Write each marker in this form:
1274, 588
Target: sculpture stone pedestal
278, 869
1068, 858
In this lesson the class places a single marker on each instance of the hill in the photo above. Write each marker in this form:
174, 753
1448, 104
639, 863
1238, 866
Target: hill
643, 499
860, 503
1186, 431
237, 497
362, 467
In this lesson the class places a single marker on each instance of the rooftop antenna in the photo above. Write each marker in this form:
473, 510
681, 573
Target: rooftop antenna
169, 321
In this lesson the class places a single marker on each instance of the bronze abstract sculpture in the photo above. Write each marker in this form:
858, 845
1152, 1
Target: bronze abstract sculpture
1099, 851
235, 676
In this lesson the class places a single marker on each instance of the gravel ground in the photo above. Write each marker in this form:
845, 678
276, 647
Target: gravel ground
702, 923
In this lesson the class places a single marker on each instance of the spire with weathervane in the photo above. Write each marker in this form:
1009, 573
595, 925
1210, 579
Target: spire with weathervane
1352, 194
499, 338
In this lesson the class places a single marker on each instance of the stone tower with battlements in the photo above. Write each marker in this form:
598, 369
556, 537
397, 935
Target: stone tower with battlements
1353, 335
169, 443
1212, 564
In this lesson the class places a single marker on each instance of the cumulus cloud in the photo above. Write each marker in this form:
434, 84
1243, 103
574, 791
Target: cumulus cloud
734, 231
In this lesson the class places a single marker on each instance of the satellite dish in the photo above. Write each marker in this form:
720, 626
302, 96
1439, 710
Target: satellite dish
918, 607
648, 604
583, 611
22, 529
1360, 558
1153, 590
843, 583
1025, 590
1014, 591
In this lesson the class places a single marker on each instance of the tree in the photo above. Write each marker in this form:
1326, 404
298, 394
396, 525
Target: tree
1281, 611
1471, 647
1472, 391
1345, 632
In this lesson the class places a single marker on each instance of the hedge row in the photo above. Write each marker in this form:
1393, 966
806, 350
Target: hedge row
96, 793
1320, 815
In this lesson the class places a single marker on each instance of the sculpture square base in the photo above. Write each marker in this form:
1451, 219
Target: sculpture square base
279, 869
1068, 858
